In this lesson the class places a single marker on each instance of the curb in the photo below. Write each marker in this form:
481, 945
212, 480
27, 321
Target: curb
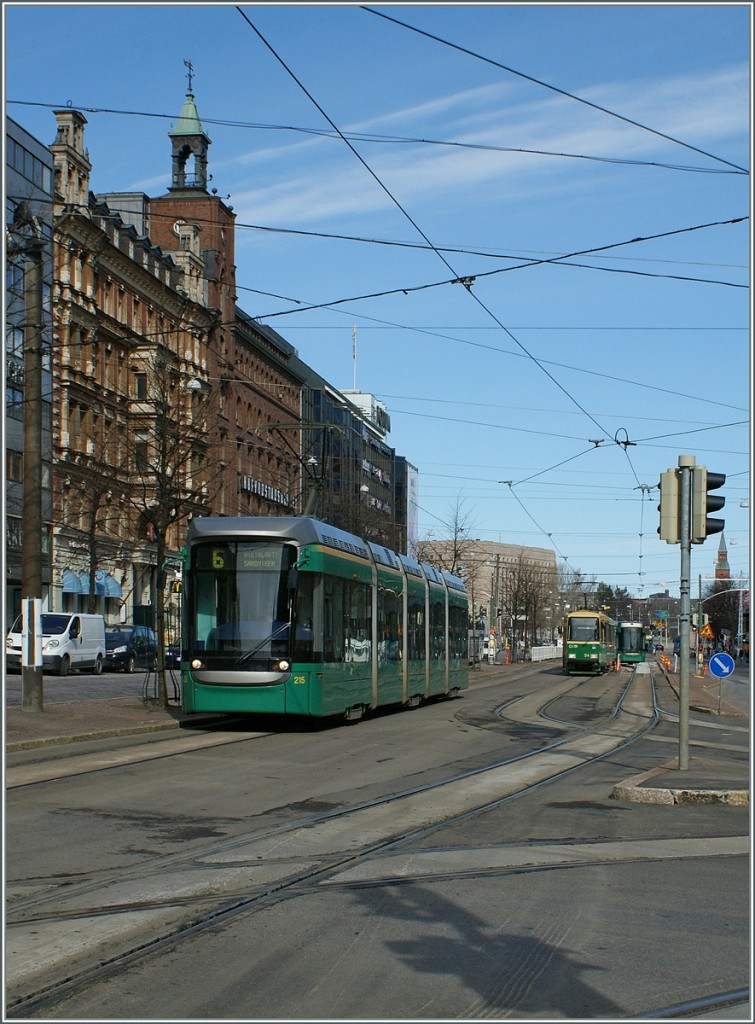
634, 791
84, 734
100, 734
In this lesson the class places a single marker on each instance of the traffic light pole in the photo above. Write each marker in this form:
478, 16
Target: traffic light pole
684, 507
686, 465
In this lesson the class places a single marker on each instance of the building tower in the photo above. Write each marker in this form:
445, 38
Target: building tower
722, 562
189, 142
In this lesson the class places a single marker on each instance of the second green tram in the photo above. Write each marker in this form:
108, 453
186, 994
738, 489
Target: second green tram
631, 641
287, 615
589, 642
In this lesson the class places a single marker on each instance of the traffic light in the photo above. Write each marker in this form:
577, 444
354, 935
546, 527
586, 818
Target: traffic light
669, 507
701, 526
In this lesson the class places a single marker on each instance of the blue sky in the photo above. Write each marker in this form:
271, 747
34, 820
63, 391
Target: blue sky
483, 153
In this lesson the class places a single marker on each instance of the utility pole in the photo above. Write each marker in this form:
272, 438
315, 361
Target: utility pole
354, 352
31, 243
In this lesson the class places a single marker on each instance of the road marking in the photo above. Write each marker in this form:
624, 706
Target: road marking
472, 860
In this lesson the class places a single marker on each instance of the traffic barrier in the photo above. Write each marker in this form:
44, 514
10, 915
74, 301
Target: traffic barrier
545, 653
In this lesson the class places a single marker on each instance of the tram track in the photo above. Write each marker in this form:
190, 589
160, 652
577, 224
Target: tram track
120, 917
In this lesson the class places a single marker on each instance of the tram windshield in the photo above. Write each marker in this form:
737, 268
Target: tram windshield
631, 638
584, 628
240, 602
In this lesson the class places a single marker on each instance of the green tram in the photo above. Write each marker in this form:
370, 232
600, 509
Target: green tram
589, 642
631, 639
290, 616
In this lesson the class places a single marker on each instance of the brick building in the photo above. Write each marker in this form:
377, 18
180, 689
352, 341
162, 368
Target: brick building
170, 401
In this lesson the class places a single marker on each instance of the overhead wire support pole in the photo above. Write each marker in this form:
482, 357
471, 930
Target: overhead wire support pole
32, 246
354, 352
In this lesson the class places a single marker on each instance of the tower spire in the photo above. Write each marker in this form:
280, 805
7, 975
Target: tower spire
189, 142
723, 572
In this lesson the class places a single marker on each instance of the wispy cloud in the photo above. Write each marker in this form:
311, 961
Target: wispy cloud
325, 181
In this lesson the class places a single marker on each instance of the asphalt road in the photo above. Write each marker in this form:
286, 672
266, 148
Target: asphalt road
560, 903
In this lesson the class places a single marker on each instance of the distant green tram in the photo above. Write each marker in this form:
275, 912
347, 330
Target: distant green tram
290, 616
631, 642
589, 642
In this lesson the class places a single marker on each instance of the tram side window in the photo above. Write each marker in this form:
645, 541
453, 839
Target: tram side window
459, 635
359, 623
437, 628
333, 619
307, 635
389, 617
347, 620
416, 628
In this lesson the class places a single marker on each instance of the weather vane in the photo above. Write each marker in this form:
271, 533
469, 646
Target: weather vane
190, 66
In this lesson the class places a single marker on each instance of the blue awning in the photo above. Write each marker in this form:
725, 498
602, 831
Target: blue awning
71, 582
112, 586
105, 585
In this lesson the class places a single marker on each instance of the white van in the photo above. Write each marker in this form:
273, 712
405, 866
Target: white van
69, 640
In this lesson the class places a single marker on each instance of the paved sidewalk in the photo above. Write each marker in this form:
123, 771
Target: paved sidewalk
717, 773
73, 722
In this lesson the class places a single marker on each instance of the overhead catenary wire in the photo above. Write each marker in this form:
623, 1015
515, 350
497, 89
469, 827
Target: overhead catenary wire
419, 230
518, 353
553, 88
164, 332
550, 261
377, 138
411, 220
466, 281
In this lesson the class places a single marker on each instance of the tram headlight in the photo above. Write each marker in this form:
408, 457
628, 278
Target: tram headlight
196, 663
283, 665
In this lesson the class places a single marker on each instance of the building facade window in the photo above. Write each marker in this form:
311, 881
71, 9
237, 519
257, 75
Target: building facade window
141, 451
14, 403
14, 466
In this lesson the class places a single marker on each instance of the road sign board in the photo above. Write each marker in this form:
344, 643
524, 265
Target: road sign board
721, 665
706, 631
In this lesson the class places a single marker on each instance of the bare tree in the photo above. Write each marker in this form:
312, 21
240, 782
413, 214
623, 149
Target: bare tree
172, 475
722, 607
456, 552
527, 590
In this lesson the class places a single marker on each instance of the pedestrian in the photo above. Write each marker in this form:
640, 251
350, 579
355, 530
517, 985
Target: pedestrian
677, 647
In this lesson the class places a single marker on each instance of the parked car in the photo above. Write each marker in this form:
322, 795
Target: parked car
173, 656
130, 647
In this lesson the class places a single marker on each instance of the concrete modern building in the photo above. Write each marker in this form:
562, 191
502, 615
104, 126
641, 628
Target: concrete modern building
513, 588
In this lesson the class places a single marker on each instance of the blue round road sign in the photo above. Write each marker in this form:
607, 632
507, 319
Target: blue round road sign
721, 665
